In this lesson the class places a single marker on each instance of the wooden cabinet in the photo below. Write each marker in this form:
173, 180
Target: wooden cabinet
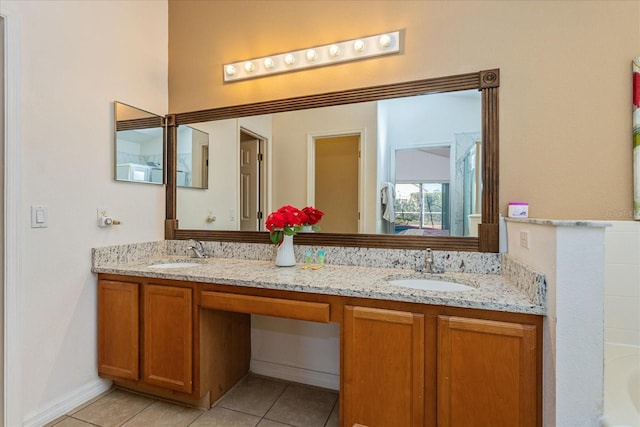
486, 373
166, 328
168, 337
402, 364
154, 338
118, 331
383, 368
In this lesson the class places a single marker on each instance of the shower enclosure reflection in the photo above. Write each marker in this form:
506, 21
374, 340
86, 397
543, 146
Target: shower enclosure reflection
193, 158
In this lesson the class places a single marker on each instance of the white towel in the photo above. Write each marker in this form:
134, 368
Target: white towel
387, 197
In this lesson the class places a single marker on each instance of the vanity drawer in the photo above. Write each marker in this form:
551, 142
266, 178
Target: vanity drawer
291, 309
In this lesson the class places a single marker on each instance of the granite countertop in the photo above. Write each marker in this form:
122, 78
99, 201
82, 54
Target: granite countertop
492, 291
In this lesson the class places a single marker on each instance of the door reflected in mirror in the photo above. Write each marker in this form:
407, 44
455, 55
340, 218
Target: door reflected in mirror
415, 169
139, 145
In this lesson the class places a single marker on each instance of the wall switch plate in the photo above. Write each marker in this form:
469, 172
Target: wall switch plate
39, 217
524, 239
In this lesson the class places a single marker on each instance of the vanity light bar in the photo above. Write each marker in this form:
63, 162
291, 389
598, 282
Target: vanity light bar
318, 56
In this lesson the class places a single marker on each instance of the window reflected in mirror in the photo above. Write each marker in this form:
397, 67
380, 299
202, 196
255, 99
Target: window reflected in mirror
436, 189
139, 145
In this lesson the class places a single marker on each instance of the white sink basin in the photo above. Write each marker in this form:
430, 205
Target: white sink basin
174, 265
430, 285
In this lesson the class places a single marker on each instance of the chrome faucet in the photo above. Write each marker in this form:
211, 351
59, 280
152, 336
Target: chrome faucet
429, 264
198, 249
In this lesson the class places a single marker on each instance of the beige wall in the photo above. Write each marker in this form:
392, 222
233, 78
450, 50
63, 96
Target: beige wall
565, 120
292, 132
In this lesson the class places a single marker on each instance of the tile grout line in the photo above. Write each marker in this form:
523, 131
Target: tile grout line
264, 417
200, 414
139, 412
337, 402
78, 419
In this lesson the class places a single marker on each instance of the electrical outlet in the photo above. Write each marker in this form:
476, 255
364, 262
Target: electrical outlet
524, 239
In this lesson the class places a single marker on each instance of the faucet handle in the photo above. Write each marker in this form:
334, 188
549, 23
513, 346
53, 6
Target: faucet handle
429, 263
198, 249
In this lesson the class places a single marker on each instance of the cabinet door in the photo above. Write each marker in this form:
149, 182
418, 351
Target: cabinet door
383, 357
168, 337
486, 373
118, 345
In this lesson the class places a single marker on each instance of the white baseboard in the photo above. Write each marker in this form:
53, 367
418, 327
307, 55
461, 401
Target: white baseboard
298, 375
66, 403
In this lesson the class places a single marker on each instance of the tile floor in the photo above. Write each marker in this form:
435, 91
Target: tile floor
254, 402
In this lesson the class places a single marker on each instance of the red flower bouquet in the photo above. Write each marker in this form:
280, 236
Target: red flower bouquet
285, 221
313, 217
288, 220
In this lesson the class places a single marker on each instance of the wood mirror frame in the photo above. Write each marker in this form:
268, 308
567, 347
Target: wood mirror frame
487, 81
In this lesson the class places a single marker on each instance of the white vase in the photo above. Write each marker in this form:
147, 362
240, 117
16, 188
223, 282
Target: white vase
307, 229
285, 256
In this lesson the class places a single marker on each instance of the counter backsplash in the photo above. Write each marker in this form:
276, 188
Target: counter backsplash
128, 253
532, 283
453, 262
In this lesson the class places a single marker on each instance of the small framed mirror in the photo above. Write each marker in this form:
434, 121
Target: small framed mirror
139, 145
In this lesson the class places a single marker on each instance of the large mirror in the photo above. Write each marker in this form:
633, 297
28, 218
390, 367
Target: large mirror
420, 159
403, 166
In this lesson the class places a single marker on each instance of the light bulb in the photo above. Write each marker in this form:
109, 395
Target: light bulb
311, 55
384, 40
334, 50
231, 70
268, 63
358, 45
289, 59
249, 67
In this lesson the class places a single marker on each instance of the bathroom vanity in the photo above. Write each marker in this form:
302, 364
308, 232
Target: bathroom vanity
408, 357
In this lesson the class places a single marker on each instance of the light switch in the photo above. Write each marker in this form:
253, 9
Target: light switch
39, 217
